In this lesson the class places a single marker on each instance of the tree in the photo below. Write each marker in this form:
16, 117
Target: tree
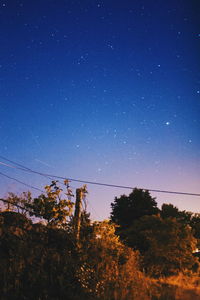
41, 262
164, 238
37, 261
169, 210
18, 203
51, 206
165, 244
110, 269
195, 224
185, 217
127, 209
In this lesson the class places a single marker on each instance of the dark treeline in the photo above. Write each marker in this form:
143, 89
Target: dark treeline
166, 238
131, 256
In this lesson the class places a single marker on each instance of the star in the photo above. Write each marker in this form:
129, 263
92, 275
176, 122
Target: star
110, 46
167, 123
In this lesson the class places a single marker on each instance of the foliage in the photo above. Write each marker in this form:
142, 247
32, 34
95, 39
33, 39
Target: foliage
195, 224
111, 269
127, 209
165, 238
169, 210
185, 217
37, 261
179, 287
165, 244
18, 203
40, 261
51, 206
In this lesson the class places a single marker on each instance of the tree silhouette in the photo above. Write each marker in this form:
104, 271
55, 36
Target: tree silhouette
184, 217
51, 206
169, 210
127, 209
165, 244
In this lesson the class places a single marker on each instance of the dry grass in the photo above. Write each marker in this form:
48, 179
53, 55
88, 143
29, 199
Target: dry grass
180, 287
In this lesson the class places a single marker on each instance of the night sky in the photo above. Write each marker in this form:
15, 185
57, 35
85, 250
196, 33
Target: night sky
105, 91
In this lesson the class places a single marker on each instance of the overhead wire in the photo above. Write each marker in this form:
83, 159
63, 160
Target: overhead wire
23, 168
20, 167
15, 204
26, 184
26, 169
30, 213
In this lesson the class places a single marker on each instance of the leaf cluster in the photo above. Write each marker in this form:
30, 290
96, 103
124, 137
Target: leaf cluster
166, 238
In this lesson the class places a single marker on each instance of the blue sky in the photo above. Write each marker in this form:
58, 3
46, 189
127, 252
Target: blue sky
106, 91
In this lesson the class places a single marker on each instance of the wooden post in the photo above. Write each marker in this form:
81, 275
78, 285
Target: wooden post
77, 214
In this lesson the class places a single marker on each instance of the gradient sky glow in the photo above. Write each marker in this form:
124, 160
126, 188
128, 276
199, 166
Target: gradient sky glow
105, 91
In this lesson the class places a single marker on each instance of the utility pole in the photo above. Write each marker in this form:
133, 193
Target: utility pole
77, 214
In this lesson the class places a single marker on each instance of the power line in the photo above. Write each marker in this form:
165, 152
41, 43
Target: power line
28, 185
15, 204
23, 168
31, 213
20, 167
17, 164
